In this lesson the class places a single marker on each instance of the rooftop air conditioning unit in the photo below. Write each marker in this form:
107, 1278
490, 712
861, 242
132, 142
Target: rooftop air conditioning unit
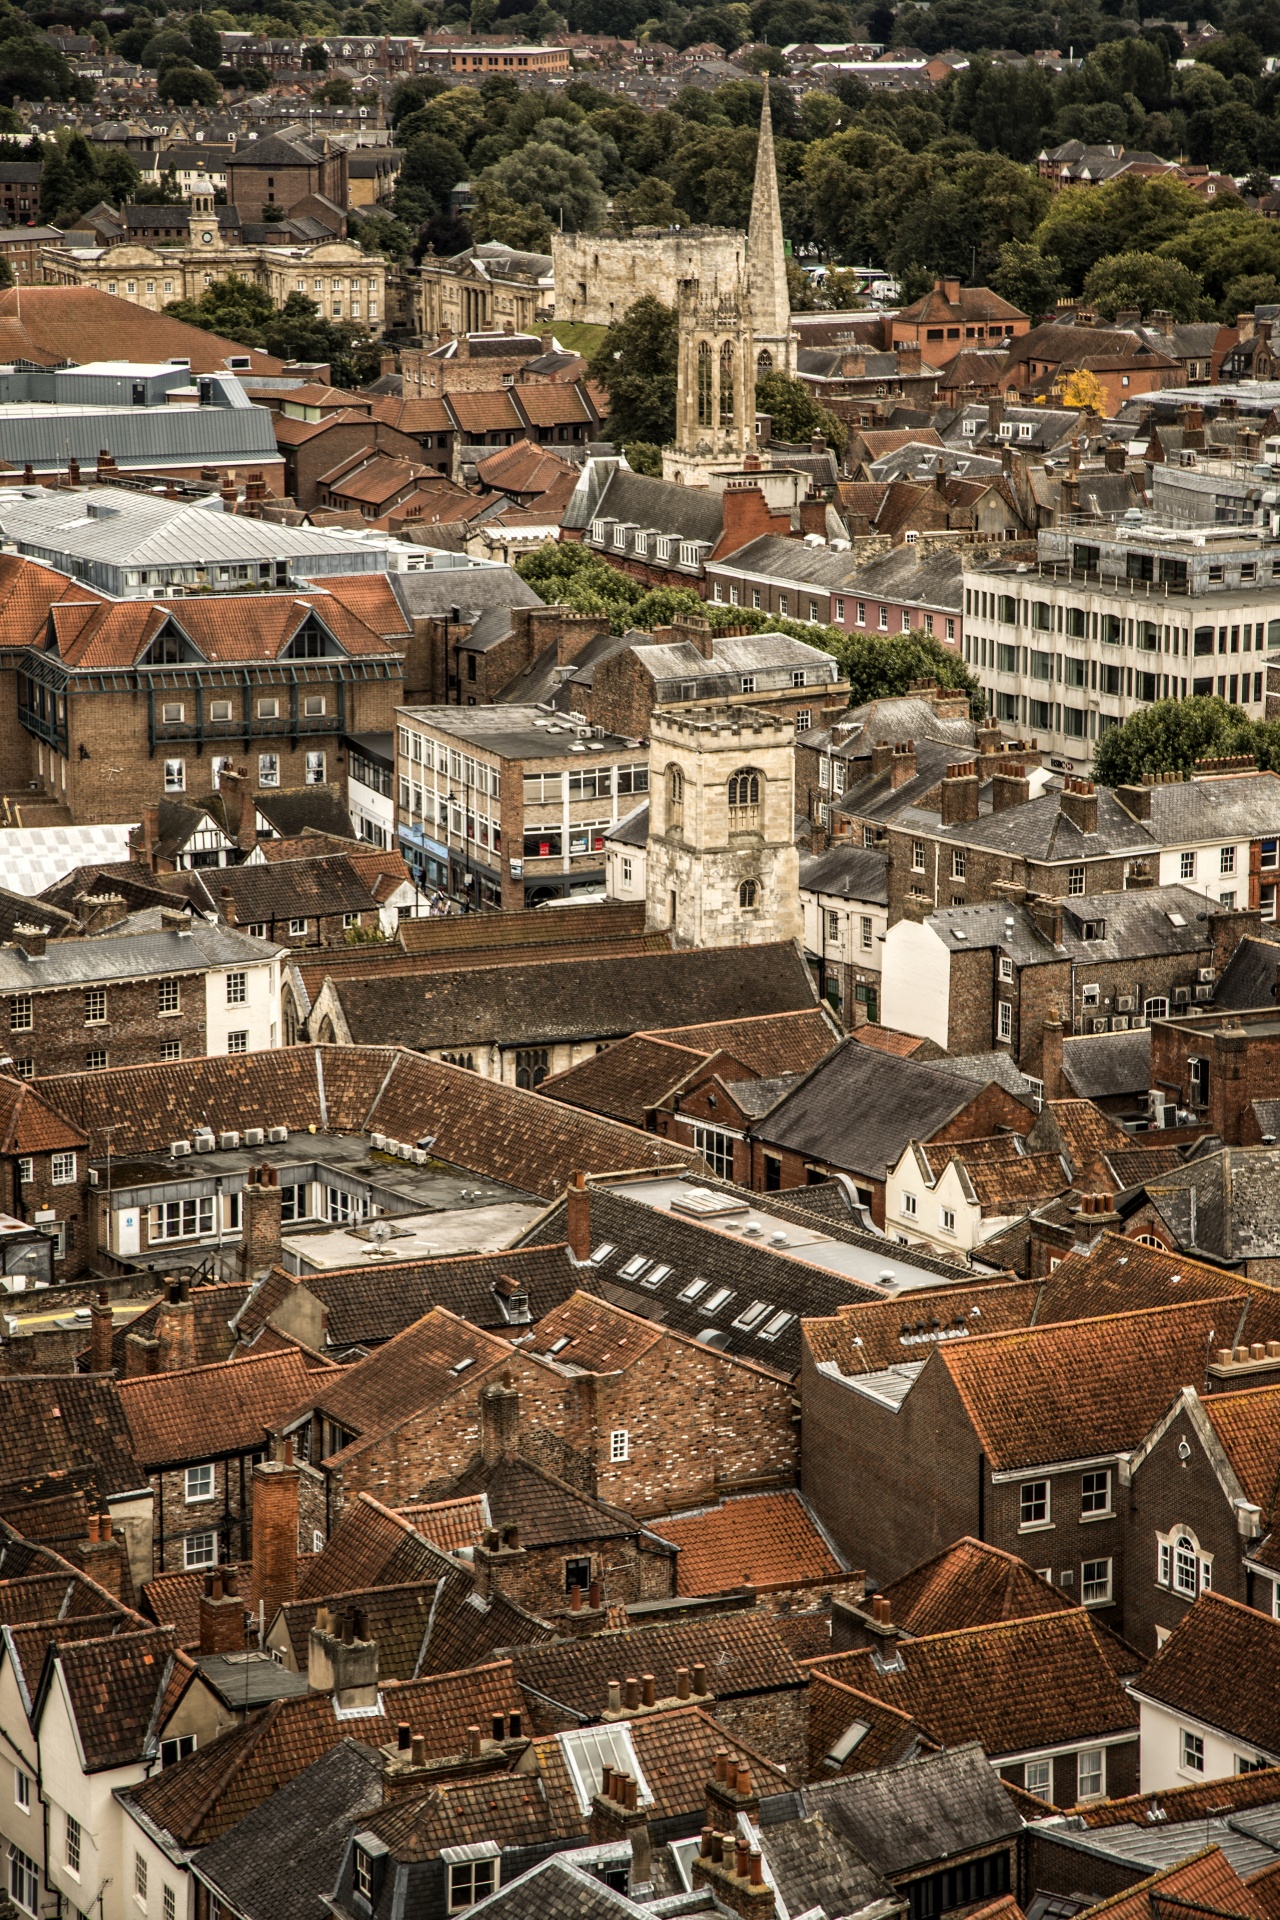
277, 1135
1100, 1026
1204, 993
419, 1157
253, 1136
404, 1150
226, 1140
204, 1143
377, 1141
1120, 1024
1125, 1003
1207, 975
1182, 993
178, 1148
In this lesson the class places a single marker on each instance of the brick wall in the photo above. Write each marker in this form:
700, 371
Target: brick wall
1167, 1492
535, 1577
60, 1041
305, 464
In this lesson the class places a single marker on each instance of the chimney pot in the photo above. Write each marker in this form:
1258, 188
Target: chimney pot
717, 1846
1258, 1351
632, 1691
704, 1844
497, 1725
648, 1693
593, 1593
682, 1683
606, 1781
473, 1742
575, 1598
722, 1762
1242, 1354
418, 1750
743, 1862
513, 1726
757, 1867
403, 1736
699, 1677
743, 1781
615, 1697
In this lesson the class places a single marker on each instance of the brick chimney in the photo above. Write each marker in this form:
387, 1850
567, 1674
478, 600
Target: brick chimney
882, 752
100, 1334
1228, 927
1229, 1085
221, 1612
1010, 786
902, 766
102, 1555
1055, 1086
227, 905
499, 1421
1079, 801
735, 1874
1115, 459
695, 633
1047, 914
140, 1355
342, 1659
578, 1218
143, 847
275, 1533
1135, 800
960, 793
496, 1557
617, 1815
175, 1329
237, 800
31, 941
260, 1230
1094, 1215
730, 1792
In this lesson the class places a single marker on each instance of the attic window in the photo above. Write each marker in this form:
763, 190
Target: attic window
558, 1346
656, 1278
749, 1319
844, 1746
635, 1266
1176, 919
694, 1288
776, 1325
714, 1301
602, 1252
1093, 929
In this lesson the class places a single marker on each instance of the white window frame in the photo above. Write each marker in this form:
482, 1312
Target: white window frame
194, 1558
1098, 1771
1088, 1493
1037, 1778
1028, 1500
619, 1446
22, 1784
1190, 1753
175, 776
237, 989
62, 1169
198, 1484
1096, 1591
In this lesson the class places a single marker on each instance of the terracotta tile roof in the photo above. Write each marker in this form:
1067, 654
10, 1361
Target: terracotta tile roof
1198, 1802
432, 1625
835, 1709
597, 1337
224, 628
27, 592
476, 413
1119, 1274
196, 1413
66, 1424
369, 1547
70, 326
762, 1540
1023, 1390
30, 1644
1265, 1888
1085, 1131
1012, 1685
553, 405
54, 1596
173, 1600
888, 1040
212, 1310
512, 1809
1014, 1185
29, 1124
527, 927
500, 1132
207, 1793
626, 1079
743, 1654
1206, 1883
1198, 1670
118, 1688
884, 1333
415, 1370
547, 1510
522, 468
969, 1584
1248, 1427
449, 1524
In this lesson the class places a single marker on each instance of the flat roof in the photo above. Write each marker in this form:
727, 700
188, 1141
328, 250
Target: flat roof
428, 1236
518, 733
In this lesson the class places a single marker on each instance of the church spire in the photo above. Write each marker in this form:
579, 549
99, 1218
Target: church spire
766, 257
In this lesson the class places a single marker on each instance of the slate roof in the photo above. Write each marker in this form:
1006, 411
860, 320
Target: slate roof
905, 1818
367, 1306
206, 1794
969, 1584
198, 1413
750, 1273
280, 1861
1250, 976
1199, 1669
761, 1540
473, 590
548, 1512
1238, 806
743, 1654
1222, 1203
817, 1869
556, 1890
859, 1107
1108, 1066
541, 1002
293, 889
1012, 1686
860, 872
695, 513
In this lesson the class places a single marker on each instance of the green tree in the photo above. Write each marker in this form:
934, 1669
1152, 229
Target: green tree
1172, 735
498, 215
337, 92
1027, 278
953, 214
1132, 213
883, 665
560, 182
188, 86
315, 58
794, 413
636, 366
643, 456
1227, 246
1248, 291
432, 167
650, 203
206, 42
1140, 280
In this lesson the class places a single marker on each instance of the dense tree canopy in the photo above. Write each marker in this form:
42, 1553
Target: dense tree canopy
1172, 735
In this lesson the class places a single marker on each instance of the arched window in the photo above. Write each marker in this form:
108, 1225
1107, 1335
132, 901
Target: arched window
764, 361
675, 793
1183, 1565
1150, 1240
744, 789
726, 384
704, 385
289, 1016
748, 894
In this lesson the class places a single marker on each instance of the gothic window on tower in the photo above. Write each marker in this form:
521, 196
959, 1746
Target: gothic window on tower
675, 789
747, 894
744, 797
726, 384
764, 361
704, 385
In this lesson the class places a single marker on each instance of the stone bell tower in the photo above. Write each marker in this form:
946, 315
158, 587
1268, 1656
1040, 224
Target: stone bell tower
715, 381
721, 864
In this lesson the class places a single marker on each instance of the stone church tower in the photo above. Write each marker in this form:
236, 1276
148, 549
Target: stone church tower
775, 345
721, 863
715, 381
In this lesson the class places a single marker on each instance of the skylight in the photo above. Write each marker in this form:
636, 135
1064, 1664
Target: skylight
751, 1316
635, 1266
602, 1252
